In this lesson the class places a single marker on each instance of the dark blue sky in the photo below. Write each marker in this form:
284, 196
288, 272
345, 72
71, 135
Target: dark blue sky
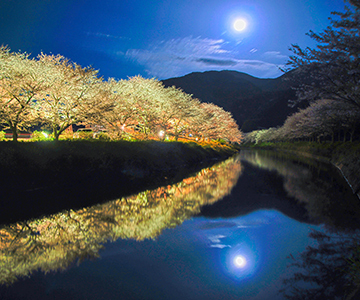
165, 38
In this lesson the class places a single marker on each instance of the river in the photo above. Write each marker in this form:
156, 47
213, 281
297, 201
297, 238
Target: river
231, 231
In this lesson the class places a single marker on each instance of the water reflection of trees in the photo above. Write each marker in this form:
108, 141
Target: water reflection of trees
330, 270
317, 185
57, 241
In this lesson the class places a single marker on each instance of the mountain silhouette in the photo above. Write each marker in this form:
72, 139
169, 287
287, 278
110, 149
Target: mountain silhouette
254, 103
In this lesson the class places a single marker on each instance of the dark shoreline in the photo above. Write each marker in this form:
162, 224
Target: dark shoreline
344, 156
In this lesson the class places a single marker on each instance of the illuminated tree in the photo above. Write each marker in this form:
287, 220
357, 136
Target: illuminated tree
321, 119
148, 100
71, 94
182, 110
121, 110
216, 123
19, 85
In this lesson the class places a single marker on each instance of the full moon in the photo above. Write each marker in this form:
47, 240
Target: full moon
240, 261
240, 24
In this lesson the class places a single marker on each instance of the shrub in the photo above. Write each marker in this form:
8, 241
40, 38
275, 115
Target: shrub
41, 136
66, 135
85, 135
2, 135
102, 136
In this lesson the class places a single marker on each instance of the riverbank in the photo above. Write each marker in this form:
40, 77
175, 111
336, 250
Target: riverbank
40, 178
344, 155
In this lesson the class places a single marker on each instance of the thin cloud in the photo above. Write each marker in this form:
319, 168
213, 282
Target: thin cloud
216, 238
106, 35
216, 62
275, 54
220, 246
216, 241
178, 57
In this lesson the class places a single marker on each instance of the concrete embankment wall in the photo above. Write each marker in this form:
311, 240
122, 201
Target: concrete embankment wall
344, 156
348, 165
350, 169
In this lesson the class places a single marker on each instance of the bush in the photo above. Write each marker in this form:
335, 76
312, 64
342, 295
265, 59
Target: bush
41, 136
85, 135
66, 135
102, 136
2, 135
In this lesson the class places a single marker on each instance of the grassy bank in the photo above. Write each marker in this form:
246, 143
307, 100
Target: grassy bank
344, 155
45, 177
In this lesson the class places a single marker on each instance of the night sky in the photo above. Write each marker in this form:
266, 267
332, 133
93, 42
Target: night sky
164, 39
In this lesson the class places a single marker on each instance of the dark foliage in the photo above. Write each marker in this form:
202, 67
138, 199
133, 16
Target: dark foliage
332, 68
329, 270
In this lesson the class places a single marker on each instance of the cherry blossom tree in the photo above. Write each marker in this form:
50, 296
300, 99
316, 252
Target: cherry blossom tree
331, 70
70, 95
216, 123
122, 116
19, 84
181, 112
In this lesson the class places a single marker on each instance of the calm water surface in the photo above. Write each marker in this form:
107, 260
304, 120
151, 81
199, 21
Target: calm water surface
229, 232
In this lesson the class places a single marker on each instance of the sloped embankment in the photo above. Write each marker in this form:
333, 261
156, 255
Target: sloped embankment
39, 178
347, 159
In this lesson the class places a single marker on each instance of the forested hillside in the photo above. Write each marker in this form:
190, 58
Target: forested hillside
254, 103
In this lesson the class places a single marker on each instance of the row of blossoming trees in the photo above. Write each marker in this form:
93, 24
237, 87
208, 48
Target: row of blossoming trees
323, 120
56, 93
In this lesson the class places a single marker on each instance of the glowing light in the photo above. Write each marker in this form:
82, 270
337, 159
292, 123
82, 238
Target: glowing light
161, 133
240, 24
45, 134
240, 261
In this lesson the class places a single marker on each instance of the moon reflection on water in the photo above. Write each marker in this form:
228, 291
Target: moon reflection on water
240, 261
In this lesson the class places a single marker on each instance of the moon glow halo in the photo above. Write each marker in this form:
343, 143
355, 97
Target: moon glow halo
240, 24
240, 261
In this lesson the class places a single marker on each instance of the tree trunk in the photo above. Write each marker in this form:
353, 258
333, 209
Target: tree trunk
351, 135
15, 135
56, 133
14, 132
